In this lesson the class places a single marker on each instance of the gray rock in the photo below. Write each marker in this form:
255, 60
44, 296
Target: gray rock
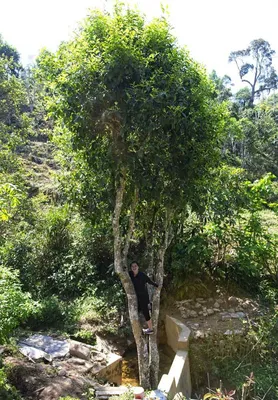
231, 310
216, 305
62, 372
184, 314
233, 300
199, 334
234, 332
240, 314
182, 302
76, 361
234, 315
198, 305
226, 317
80, 351
193, 314
99, 358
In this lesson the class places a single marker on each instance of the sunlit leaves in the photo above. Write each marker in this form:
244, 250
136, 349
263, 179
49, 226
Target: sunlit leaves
10, 197
127, 99
14, 304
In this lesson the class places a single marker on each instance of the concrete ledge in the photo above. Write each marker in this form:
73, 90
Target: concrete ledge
177, 334
167, 385
112, 372
178, 379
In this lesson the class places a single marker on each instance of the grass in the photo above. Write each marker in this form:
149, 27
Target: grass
270, 221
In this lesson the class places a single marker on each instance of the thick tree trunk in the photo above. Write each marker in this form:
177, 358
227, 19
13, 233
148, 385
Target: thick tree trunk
165, 240
153, 347
147, 350
119, 263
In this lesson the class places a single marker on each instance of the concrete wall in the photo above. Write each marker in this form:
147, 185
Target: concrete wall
112, 372
178, 378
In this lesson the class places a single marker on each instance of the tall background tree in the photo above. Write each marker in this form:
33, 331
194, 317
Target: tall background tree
138, 125
255, 67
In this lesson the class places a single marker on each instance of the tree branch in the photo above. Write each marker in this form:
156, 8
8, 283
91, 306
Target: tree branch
245, 80
116, 224
130, 226
237, 67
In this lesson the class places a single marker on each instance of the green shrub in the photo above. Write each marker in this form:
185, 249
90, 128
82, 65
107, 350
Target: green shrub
58, 254
15, 305
7, 391
86, 336
95, 307
51, 312
234, 357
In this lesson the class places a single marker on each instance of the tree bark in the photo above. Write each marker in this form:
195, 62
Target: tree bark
147, 349
153, 348
119, 262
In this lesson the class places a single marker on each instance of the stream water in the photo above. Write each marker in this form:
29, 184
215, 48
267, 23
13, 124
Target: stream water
130, 365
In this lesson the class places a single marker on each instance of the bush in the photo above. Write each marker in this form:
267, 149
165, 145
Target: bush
234, 357
57, 255
95, 306
7, 391
15, 305
51, 312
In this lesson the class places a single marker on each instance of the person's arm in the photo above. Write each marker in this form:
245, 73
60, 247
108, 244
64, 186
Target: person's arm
150, 282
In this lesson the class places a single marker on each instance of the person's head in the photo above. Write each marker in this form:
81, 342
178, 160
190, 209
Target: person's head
134, 267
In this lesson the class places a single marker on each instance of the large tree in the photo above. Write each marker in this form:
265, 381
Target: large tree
255, 67
138, 126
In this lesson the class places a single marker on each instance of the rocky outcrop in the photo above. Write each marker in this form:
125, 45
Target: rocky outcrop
219, 314
69, 372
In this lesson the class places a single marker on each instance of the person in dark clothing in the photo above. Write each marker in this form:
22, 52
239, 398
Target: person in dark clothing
139, 280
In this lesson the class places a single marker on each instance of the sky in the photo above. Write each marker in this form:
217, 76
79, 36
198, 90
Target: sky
210, 29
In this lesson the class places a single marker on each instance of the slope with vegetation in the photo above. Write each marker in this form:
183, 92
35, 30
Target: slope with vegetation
119, 146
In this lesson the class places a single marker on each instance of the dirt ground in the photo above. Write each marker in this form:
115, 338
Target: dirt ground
220, 313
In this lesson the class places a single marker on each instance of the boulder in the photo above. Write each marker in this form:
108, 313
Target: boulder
78, 350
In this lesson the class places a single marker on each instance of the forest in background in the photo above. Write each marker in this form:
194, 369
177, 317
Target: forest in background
56, 242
